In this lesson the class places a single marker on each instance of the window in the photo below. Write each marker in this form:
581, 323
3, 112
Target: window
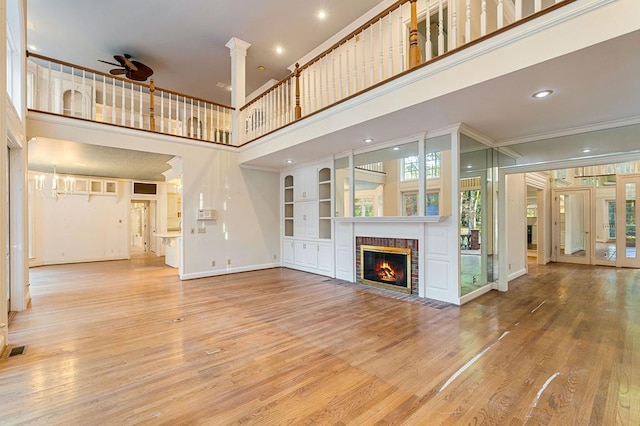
432, 165
409, 168
433, 201
409, 203
363, 207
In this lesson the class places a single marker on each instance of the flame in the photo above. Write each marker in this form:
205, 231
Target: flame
385, 272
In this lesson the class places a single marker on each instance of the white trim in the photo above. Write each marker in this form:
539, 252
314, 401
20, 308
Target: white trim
570, 131
390, 219
227, 271
512, 276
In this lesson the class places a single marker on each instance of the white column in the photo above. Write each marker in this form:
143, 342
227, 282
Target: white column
238, 50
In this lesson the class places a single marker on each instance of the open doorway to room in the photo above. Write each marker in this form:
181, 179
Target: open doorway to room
143, 220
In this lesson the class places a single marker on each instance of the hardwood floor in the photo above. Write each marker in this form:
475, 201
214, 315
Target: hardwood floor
106, 346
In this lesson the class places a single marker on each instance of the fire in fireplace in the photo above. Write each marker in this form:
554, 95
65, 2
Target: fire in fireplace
386, 267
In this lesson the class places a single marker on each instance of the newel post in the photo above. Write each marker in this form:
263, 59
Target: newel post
414, 49
298, 109
152, 116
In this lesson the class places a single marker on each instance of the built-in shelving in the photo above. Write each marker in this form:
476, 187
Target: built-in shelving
288, 206
324, 203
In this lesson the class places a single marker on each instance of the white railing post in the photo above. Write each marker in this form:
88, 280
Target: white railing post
238, 51
500, 13
440, 28
518, 10
467, 23
453, 39
483, 17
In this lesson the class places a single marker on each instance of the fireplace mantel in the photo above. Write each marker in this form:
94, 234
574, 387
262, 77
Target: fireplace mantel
391, 219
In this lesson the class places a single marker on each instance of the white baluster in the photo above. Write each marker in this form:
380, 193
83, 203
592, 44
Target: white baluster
185, 120
326, 78
453, 7
84, 90
334, 79
132, 118
348, 68
123, 117
199, 126
104, 99
170, 122
401, 55
500, 13
113, 101
141, 116
50, 83
483, 17
161, 111
467, 23
315, 86
355, 65
381, 50
518, 10
94, 93
440, 28
372, 61
363, 53
390, 31
340, 73
537, 6
192, 126
428, 51
72, 113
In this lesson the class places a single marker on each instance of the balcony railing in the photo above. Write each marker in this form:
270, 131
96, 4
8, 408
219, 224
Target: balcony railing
61, 88
395, 41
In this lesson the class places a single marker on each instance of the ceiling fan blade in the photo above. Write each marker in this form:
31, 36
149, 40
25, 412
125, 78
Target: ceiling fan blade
124, 60
118, 71
110, 63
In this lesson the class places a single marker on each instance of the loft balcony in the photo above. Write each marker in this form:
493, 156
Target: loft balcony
405, 41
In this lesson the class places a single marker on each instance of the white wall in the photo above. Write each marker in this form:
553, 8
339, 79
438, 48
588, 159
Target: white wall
516, 215
247, 230
81, 227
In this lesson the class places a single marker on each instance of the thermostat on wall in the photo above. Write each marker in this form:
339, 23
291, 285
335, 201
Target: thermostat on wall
207, 214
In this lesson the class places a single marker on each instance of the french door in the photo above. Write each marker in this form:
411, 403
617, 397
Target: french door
628, 216
573, 241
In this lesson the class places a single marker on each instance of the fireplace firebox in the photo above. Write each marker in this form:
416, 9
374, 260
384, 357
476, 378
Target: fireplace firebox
386, 267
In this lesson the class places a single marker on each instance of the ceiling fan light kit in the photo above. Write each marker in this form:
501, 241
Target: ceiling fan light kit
131, 69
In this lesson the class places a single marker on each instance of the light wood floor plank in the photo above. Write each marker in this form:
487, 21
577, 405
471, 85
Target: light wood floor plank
128, 343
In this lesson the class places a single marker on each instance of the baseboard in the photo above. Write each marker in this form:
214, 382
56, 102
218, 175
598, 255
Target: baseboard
512, 276
2, 344
226, 271
545, 261
68, 262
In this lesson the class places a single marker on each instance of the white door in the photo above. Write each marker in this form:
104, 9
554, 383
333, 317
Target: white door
628, 216
153, 240
573, 240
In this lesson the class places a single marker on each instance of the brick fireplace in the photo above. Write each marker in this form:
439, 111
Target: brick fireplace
391, 251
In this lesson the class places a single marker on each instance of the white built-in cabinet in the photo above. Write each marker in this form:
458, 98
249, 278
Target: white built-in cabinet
306, 217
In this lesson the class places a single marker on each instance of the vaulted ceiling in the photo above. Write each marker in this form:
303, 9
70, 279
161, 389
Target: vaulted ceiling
184, 41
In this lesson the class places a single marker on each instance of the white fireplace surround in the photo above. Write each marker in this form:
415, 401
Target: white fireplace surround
438, 250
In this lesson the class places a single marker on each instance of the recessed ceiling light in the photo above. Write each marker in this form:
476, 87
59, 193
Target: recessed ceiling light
322, 14
469, 166
396, 148
542, 94
586, 150
279, 50
289, 161
368, 140
32, 48
260, 68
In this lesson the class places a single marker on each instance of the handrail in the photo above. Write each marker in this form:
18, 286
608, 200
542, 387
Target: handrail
382, 49
59, 87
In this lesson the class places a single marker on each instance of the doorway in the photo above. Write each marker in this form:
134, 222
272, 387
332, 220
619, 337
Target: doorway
143, 220
572, 226
628, 216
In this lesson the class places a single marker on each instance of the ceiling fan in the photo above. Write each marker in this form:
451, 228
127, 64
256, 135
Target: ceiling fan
133, 70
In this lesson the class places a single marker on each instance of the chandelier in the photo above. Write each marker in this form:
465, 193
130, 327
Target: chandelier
60, 186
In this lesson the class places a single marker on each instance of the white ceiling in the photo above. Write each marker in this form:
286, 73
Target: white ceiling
184, 41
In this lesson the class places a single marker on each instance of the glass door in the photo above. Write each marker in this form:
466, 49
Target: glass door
628, 216
572, 226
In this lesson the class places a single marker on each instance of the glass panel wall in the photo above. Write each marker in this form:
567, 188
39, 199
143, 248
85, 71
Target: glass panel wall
478, 206
438, 175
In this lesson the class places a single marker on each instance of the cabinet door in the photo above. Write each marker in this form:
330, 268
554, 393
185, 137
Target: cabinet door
305, 219
306, 254
325, 257
287, 251
305, 184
